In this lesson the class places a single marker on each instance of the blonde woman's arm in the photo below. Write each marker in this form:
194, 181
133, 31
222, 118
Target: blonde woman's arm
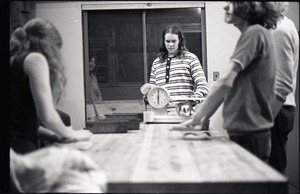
36, 68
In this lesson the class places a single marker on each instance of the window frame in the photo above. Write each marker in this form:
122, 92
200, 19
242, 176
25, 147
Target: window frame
144, 5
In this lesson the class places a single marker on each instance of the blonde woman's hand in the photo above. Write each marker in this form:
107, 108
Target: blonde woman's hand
83, 135
76, 135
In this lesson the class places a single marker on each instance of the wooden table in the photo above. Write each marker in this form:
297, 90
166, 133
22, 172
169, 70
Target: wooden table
155, 159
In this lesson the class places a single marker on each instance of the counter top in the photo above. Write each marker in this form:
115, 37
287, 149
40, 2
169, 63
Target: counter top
156, 159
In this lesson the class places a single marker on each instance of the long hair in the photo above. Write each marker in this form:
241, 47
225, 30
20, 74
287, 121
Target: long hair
41, 36
173, 29
257, 12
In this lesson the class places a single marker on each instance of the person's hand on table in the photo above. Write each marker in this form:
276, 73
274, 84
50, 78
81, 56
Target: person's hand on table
194, 122
74, 136
193, 130
83, 135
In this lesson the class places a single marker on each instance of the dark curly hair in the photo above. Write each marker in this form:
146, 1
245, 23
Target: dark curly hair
257, 12
41, 36
173, 29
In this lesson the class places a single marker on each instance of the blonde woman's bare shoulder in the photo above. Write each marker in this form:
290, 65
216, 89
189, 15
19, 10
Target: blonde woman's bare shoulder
35, 62
35, 57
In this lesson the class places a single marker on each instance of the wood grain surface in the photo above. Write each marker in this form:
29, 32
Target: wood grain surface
157, 159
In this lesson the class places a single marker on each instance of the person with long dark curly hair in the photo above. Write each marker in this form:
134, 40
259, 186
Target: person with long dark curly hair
247, 89
37, 83
177, 69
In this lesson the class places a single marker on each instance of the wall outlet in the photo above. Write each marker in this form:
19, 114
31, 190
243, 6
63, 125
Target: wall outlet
216, 75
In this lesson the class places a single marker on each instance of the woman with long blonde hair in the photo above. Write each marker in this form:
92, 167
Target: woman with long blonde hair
37, 82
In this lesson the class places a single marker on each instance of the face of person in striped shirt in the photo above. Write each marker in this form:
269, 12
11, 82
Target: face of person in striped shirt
171, 43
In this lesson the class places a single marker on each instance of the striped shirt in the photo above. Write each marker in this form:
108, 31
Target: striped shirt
180, 75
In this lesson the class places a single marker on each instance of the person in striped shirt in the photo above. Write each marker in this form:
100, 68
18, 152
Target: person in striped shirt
177, 69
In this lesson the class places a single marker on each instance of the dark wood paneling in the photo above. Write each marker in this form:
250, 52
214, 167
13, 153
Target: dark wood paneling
121, 92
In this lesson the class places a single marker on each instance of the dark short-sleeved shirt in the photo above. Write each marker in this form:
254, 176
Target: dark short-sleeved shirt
248, 106
23, 121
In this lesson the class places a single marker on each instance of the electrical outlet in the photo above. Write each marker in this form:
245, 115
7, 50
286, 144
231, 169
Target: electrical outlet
216, 75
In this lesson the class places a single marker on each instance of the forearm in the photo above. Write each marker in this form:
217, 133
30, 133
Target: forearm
282, 88
46, 134
277, 105
285, 64
214, 99
201, 89
284, 80
217, 94
54, 124
57, 131
199, 78
152, 79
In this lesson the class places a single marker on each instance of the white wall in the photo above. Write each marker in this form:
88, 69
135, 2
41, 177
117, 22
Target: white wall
293, 13
66, 16
221, 41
